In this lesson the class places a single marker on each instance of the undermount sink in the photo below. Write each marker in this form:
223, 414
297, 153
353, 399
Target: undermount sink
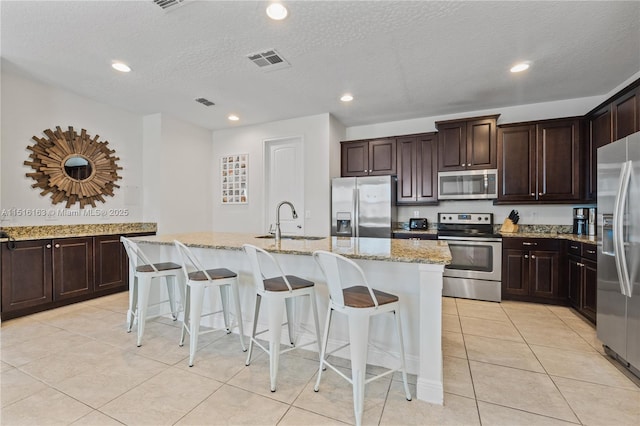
292, 237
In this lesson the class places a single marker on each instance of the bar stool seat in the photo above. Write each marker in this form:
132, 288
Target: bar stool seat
278, 291
142, 273
359, 303
197, 280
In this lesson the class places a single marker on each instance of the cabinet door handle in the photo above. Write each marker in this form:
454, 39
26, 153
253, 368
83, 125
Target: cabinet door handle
580, 264
526, 243
540, 194
57, 245
48, 246
526, 256
468, 164
533, 256
533, 194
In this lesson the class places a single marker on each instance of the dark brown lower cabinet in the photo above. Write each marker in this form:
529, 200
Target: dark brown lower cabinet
72, 267
111, 263
532, 270
42, 274
583, 279
26, 275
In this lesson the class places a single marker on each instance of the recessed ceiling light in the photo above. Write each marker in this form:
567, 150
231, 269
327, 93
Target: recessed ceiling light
120, 67
277, 11
522, 66
233, 117
346, 98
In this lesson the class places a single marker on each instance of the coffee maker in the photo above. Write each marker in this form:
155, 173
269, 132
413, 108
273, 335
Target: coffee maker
584, 221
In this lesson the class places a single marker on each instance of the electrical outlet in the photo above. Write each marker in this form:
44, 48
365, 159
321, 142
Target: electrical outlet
416, 213
307, 214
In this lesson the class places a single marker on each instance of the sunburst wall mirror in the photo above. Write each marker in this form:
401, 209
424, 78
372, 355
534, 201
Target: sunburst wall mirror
72, 167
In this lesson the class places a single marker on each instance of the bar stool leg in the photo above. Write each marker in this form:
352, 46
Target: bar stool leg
275, 332
288, 302
323, 351
255, 326
171, 291
185, 317
359, 338
396, 314
314, 306
133, 302
144, 286
197, 294
224, 297
236, 297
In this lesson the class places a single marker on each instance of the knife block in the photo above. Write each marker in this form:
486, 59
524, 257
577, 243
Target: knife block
508, 227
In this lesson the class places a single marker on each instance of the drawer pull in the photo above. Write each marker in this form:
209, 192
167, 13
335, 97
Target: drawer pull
525, 243
574, 247
591, 251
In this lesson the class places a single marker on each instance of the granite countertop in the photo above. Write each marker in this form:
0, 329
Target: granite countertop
571, 237
384, 249
22, 233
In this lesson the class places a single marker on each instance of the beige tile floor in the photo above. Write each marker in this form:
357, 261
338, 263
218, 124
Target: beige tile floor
504, 364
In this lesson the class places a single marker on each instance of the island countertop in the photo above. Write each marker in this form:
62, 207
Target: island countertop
384, 249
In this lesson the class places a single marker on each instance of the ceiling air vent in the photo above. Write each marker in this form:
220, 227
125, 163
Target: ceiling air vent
169, 5
269, 60
205, 102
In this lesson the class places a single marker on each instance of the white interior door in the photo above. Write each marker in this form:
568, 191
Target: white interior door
284, 182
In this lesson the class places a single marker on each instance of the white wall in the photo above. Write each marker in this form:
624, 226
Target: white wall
541, 111
28, 108
178, 173
317, 133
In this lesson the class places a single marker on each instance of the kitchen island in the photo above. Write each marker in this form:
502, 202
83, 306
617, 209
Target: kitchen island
411, 269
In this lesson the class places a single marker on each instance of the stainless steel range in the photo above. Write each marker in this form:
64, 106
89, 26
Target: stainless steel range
475, 271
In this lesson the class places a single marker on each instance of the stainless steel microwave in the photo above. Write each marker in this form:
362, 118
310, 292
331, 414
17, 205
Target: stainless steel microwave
468, 185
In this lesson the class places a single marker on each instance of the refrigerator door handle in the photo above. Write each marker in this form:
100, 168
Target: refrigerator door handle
356, 212
618, 229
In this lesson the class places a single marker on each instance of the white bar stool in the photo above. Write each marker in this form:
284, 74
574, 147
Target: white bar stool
198, 279
278, 291
359, 303
141, 274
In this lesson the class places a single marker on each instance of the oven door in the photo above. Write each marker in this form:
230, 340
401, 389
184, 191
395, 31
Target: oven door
474, 258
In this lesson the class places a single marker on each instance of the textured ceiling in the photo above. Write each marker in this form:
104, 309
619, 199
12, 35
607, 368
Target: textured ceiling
400, 59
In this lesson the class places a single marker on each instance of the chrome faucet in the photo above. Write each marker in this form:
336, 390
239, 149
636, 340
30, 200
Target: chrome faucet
278, 235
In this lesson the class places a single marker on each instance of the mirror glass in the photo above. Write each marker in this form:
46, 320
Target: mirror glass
77, 167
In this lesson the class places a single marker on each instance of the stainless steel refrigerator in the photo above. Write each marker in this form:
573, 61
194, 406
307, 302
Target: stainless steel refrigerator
363, 206
618, 309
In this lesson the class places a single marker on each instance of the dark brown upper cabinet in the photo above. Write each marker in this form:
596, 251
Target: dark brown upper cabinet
540, 162
600, 133
626, 114
467, 144
368, 158
417, 169
617, 117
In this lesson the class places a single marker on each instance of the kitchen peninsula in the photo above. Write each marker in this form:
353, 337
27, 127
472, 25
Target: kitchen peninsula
411, 269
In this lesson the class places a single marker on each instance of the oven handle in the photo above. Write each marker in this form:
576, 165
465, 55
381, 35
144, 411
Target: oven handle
471, 239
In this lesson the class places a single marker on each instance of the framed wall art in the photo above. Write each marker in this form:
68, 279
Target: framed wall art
234, 179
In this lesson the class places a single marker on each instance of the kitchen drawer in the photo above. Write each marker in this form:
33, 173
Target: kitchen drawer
531, 243
589, 251
574, 248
